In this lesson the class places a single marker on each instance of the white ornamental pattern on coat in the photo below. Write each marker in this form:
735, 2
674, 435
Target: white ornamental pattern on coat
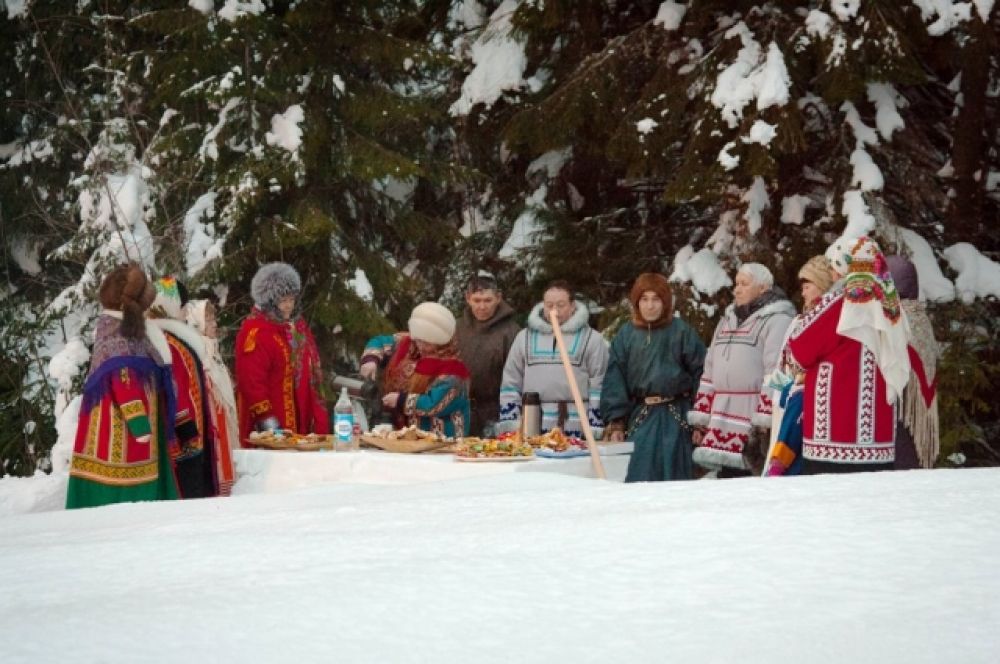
866, 398
848, 453
821, 423
825, 302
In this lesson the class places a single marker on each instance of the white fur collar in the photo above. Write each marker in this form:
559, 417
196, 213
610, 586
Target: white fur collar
776, 307
182, 331
538, 322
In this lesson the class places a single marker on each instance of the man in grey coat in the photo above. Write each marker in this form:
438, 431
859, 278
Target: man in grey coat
485, 333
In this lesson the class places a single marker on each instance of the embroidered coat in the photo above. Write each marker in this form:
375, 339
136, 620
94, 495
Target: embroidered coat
278, 375
396, 356
663, 362
847, 417
204, 465
128, 396
484, 346
441, 403
534, 365
732, 387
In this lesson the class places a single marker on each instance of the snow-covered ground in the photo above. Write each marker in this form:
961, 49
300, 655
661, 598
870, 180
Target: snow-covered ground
521, 567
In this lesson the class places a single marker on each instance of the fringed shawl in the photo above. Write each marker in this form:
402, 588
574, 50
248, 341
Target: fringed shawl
402, 364
920, 406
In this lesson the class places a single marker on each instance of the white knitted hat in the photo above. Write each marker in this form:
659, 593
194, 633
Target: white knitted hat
432, 323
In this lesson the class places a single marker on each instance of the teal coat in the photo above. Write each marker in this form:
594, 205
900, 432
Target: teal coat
666, 362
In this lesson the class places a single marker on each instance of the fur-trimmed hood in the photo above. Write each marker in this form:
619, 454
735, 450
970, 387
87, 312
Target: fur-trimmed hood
537, 320
272, 282
779, 306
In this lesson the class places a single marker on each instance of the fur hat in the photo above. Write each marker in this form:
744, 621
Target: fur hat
272, 282
817, 272
127, 289
433, 323
651, 281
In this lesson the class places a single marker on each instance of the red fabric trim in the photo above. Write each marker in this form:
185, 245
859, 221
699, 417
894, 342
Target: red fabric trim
435, 366
402, 351
926, 391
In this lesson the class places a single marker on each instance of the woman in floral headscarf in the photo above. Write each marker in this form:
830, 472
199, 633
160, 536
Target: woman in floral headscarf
200, 315
852, 346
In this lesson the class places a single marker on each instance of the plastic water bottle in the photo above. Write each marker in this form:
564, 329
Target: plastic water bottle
343, 422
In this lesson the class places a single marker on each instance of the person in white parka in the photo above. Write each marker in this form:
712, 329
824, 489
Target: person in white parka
744, 349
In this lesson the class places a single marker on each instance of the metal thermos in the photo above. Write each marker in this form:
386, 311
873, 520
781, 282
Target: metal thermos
531, 413
365, 392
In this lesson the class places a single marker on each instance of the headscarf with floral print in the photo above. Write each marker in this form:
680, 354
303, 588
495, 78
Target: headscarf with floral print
872, 314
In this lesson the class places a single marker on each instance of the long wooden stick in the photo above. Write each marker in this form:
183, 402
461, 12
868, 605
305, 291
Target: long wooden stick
581, 412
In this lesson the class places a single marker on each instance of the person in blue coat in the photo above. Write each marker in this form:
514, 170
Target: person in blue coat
655, 364
436, 396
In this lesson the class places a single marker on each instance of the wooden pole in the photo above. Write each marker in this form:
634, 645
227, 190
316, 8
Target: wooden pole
581, 412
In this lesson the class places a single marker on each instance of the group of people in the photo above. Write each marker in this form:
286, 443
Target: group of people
160, 413
157, 416
845, 385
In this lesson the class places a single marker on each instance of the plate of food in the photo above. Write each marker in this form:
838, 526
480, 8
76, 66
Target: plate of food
283, 439
490, 449
563, 454
409, 440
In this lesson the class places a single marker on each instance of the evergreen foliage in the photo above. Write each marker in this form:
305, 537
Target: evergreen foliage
150, 131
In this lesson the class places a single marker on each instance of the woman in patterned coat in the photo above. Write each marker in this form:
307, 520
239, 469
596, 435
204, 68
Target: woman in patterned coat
436, 397
201, 315
853, 347
744, 350
201, 457
125, 437
784, 454
278, 373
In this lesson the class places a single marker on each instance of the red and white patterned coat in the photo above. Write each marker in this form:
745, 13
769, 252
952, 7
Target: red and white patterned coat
847, 417
731, 391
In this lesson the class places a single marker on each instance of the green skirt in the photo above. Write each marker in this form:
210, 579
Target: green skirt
90, 493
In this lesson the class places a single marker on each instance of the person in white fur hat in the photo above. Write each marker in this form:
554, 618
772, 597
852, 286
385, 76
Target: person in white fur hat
425, 382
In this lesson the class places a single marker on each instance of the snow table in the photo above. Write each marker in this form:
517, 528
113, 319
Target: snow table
277, 470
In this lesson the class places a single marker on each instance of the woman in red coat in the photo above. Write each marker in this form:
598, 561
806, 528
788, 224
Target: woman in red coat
278, 373
852, 346
125, 437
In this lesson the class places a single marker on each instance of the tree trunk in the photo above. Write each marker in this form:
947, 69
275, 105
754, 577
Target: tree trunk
970, 144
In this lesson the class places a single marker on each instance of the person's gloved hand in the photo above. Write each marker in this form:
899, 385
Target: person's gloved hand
268, 424
391, 400
777, 379
368, 370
